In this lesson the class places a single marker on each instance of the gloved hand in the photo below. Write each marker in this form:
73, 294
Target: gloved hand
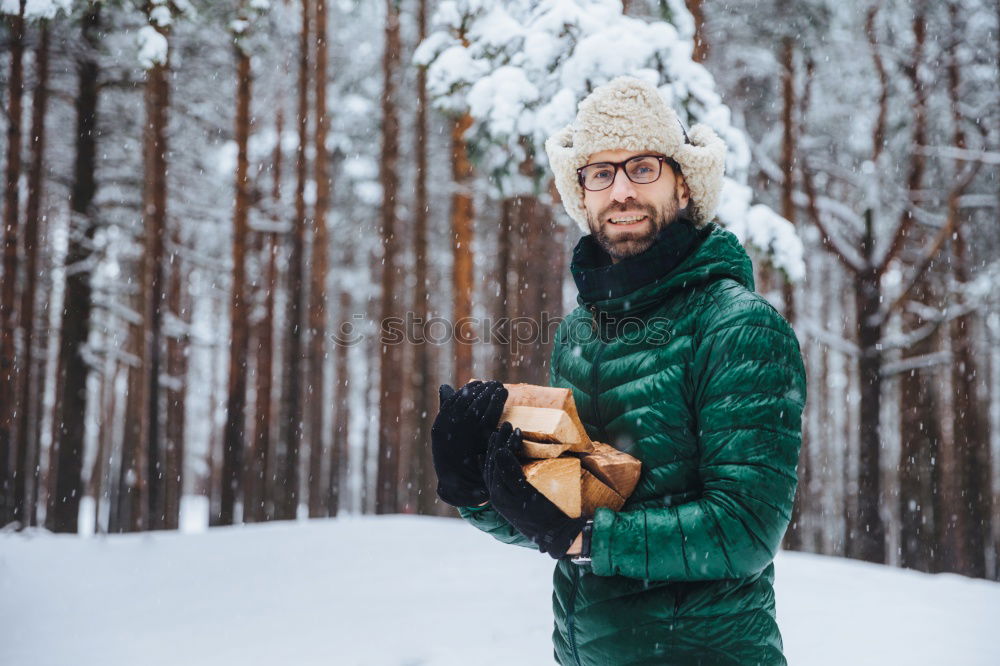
459, 438
530, 512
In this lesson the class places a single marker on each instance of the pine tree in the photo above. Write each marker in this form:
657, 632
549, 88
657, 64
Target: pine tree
235, 434
30, 396
286, 484
318, 267
391, 358
9, 371
66, 457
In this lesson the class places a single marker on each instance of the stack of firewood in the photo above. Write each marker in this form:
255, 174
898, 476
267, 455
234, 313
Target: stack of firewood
559, 459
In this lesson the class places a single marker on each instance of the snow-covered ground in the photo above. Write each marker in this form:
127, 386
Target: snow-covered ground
411, 591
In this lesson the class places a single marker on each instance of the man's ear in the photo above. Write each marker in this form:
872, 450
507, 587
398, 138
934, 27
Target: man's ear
683, 192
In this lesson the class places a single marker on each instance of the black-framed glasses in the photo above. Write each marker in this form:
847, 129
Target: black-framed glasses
640, 169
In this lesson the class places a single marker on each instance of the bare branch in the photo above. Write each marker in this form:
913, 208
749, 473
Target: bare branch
917, 160
824, 204
925, 261
831, 207
848, 257
878, 135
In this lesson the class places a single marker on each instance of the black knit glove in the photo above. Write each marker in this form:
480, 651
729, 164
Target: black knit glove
459, 438
530, 512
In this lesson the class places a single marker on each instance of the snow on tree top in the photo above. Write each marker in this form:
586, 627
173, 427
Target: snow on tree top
520, 69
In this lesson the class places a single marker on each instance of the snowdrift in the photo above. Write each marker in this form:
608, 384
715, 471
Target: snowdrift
411, 591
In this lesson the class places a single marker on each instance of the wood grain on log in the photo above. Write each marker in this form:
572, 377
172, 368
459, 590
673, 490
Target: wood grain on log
542, 450
595, 495
542, 424
614, 468
547, 397
559, 480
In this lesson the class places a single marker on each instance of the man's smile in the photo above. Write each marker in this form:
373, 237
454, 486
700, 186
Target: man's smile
622, 219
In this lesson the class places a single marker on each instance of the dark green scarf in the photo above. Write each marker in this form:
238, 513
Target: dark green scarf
597, 279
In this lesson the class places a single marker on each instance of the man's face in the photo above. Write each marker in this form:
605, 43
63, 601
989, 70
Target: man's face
626, 217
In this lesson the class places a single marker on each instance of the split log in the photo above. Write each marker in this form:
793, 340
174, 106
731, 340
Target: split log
595, 495
547, 397
541, 450
616, 469
542, 424
559, 480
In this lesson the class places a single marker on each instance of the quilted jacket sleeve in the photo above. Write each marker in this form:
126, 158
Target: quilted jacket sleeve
488, 520
748, 393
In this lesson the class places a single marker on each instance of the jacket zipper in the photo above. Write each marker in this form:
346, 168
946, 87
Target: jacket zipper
571, 606
570, 620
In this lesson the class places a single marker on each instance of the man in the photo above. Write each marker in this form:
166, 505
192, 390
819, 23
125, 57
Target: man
705, 385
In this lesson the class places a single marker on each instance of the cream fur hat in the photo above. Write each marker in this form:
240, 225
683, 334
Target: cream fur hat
630, 114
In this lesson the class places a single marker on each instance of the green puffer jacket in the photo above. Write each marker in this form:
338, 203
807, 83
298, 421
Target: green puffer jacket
706, 387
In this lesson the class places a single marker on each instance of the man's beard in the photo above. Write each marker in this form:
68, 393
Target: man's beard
629, 244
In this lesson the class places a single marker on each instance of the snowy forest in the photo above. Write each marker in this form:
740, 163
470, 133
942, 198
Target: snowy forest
244, 241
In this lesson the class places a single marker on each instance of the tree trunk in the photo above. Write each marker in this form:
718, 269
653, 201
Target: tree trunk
789, 149
921, 442
536, 295
339, 452
391, 356
99, 487
66, 456
30, 400
232, 461
462, 232
318, 271
255, 507
9, 372
421, 384
970, 425
177, 351
504, 310
132, 489
32, 466
155, 214
793, 538
866, 533
701, 47
216, 439
286, 488
970, 432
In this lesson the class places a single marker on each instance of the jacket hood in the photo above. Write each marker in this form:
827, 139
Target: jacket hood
630, 287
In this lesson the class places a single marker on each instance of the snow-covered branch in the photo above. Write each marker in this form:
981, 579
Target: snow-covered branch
828, 338
915, 363
988, 157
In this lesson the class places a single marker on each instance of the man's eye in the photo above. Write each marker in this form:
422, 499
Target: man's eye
641, 170
603, 173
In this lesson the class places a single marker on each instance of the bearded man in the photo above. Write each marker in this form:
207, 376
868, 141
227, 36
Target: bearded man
707, 391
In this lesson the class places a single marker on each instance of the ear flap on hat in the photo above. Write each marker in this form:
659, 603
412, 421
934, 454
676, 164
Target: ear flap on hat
562, 159
703, 162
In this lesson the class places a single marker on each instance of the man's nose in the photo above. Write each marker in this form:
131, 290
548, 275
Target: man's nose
622, 188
